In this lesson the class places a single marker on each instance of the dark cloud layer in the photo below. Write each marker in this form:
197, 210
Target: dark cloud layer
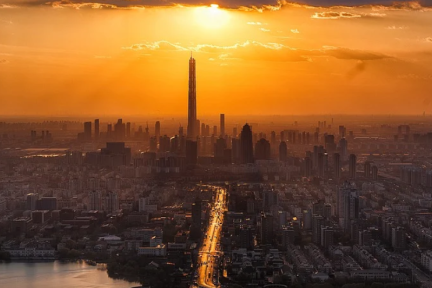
265, 4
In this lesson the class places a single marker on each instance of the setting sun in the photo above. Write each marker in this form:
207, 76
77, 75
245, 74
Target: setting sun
211, 16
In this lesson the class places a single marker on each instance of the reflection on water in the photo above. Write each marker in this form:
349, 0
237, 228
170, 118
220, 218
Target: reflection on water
57, 275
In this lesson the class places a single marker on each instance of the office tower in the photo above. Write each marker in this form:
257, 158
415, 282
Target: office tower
222, 125
95, 200
219, 149
317, 222
87, 131
157, 130
288, 237
119, 130
367, 169
342, 131
246, 147
283, 151
115, 154
374, 172
329, 143
192, 105
327, 236
203, 129
207, 130
352, 166
350, 205
398, 238
266, 228
236, 150
316, 151
109, 131
128, 129
344, 193
336, 166
191, 152
96, 126
31, 200
262, 150
215, 130
343, 149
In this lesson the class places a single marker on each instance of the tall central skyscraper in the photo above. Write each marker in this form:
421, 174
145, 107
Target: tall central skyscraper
192, 113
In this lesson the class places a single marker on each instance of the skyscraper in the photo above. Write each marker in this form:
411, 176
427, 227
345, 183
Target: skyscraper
192, 113
96, 124
157, 130
352, 166
246, 146
222, 125
87, 131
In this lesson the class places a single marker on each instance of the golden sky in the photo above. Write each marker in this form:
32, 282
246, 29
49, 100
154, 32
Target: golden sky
111, 58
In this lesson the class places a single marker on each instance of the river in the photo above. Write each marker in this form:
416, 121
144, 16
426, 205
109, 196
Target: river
57, 275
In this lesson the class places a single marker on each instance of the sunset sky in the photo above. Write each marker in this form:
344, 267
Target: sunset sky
130, 57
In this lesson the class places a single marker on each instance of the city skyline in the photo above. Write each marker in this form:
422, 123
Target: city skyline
281, 59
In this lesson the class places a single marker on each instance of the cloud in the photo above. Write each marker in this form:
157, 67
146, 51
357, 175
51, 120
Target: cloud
397, 27
257, 51
344, 53
428, 39
295, 31
3, 61
334, 15
254, 23
264, 29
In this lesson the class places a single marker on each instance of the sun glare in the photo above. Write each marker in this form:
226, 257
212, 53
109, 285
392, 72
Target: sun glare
211, 16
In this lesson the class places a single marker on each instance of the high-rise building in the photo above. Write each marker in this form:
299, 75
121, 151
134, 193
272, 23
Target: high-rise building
95, 200
343, 148
222, 125
246, 146
128, 129
96, 132
192, 101
31, 200
266, 234
283, 151
336, 166
262, 150
367, 169
191, 152
352, 166
157, 130
87, 131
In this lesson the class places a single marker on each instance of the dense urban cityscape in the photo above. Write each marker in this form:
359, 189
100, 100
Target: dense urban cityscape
283, 201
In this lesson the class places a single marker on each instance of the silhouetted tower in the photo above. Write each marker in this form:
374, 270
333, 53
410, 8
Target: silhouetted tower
96, 124
222, 125
157, 130
192, 109
246, 145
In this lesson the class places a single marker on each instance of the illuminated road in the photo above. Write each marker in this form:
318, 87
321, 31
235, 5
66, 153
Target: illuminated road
208, 257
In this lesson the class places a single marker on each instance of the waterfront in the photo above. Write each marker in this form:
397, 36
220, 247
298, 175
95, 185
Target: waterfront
57, 274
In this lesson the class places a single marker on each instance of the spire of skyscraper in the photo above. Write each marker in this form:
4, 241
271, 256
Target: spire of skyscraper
192, 113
